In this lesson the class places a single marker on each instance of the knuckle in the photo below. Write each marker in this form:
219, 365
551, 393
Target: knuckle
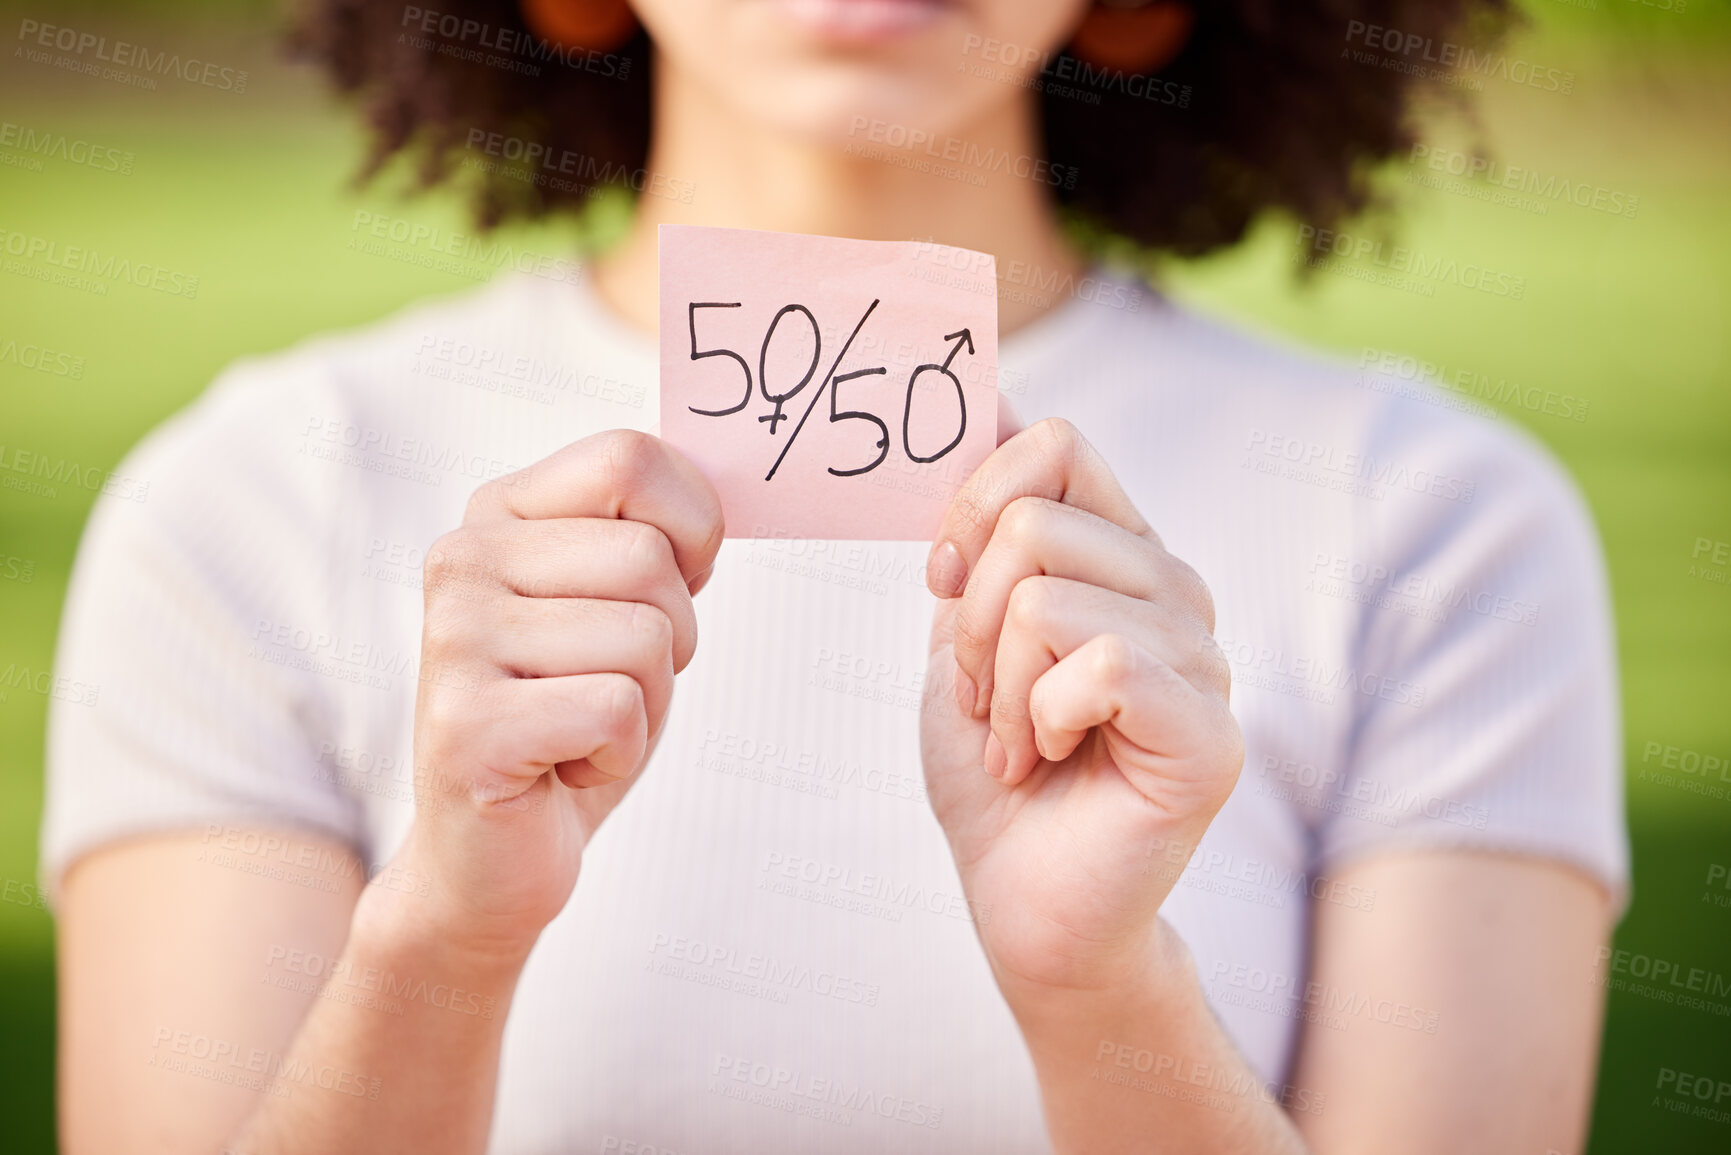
627, 456
1060, 438
1031, 603
1024, 519
715, 525
648, 554
454, 561
449, 722
1114, 659
1197, 591
619, 703
444, 555
651, 625
1228, 738
1211, 661
444, 628
488, 499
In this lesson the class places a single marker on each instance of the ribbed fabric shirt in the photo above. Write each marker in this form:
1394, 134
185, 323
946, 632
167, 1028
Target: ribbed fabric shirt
768, 948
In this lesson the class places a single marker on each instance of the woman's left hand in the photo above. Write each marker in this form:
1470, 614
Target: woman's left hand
1076, 735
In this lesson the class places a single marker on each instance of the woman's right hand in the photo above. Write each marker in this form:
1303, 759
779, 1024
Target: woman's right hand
556, 618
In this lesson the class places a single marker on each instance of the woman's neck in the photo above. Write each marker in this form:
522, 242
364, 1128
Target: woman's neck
956, 189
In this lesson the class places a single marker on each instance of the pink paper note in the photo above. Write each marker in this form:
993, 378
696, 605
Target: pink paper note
828, 388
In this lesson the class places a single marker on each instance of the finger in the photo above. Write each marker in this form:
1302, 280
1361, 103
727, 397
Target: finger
1010, 422
1153, 718
1037, 536
939, 690
1049, 619
620, 474
1049, 459
565, 558
559, 637
592, 727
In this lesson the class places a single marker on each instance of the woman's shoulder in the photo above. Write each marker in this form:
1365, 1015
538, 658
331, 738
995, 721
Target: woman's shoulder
1367, 421
447, 393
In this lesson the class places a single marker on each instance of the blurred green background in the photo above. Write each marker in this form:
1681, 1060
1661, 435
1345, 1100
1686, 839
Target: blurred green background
251, 193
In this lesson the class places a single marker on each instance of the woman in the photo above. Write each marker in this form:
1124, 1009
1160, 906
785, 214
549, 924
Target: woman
995, 870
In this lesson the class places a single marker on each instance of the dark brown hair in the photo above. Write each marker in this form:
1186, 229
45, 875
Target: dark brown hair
1269, 105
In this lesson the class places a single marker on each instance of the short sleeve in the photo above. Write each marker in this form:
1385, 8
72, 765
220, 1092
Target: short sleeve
174, 717
1489, 706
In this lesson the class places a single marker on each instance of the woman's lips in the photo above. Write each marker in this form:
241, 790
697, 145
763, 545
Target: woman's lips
863, 19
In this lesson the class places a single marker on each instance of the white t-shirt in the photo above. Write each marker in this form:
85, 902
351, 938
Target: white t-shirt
767, 949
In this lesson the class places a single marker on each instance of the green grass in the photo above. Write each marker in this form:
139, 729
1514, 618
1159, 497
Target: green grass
252, 197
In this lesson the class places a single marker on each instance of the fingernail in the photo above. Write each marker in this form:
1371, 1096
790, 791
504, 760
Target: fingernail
996, 760
983, 699
698, 582
946, 571
966, 693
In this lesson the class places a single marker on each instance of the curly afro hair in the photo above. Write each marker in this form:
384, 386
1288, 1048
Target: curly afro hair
1269, 105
